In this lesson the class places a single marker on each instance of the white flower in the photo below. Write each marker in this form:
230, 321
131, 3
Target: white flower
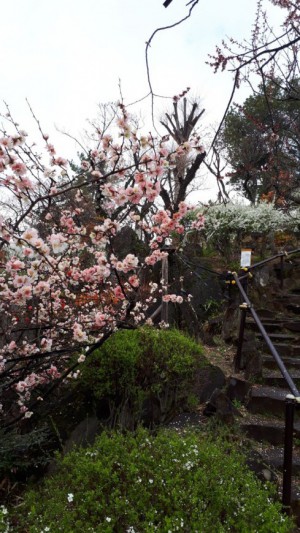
81, 358
70, 497
108, 519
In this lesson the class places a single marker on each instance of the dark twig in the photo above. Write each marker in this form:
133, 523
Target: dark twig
148, 44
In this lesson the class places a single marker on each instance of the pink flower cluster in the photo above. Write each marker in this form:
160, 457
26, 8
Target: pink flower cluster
174, 298
63, 285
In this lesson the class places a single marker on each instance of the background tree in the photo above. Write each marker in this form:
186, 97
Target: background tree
181, 127
268, 60
182, 141
262, 143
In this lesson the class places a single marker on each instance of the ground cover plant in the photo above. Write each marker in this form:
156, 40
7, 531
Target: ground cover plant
138, 482
145, 375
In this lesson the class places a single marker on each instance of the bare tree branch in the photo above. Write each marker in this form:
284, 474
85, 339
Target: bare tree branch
148, 44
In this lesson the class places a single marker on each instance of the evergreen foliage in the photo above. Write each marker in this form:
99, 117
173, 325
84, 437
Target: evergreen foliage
144, 374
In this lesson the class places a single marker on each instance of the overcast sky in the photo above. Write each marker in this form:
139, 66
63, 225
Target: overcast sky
66, 56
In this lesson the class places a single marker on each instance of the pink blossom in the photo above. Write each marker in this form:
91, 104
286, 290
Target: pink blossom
7, 142
46, 344
53, 372
30, 235
14, 264
100, 320
150, 260
26, 292
60, 161
199, 223
180, 230
19, 281
172, 298
19, 168
134, 194
50, 149
130, 263
119, 294
78, 333
42, 287
12, 346
134, 281
20, 386
58, 243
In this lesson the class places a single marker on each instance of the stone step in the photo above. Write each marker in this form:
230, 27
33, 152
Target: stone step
292, 325
270, 326
266, 314
274, 325
268, 431
273, 458
290, 362
290, 305
286, 338
291, 296
296, 291
268, 400
274, 378
284, 350
294, 308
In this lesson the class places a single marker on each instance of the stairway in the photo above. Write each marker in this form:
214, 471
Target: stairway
264, 399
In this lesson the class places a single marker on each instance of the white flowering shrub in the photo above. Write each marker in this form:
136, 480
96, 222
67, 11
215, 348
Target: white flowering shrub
141, 482
226, 224
235, 218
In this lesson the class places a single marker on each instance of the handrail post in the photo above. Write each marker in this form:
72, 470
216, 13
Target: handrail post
281, 272
238, 357
243, 308
288, 454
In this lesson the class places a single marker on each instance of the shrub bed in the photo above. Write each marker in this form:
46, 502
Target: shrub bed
143, 483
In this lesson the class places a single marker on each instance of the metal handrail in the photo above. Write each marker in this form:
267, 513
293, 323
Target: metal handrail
268, 260
188, 263
267, 339
292, 399
280, 254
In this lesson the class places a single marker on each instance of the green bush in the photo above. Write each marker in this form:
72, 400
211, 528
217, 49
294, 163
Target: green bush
144, 375
142, 483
